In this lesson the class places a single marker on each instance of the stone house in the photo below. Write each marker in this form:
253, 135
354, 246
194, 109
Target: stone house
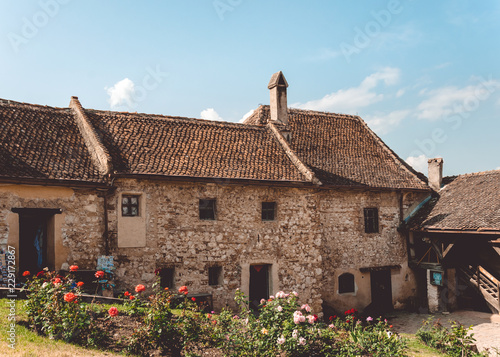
454, 241
288, 200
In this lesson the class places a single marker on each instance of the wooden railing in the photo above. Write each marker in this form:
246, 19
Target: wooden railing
484, 282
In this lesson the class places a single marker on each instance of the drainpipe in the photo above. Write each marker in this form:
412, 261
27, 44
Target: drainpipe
106, 223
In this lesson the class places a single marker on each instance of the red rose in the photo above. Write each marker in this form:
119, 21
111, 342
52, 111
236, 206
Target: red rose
316, 318
57, 281
193, 298
183, 290
79, 284
139, 288
113, 311
132, 297
73, 268
69, 297
209, 315
126, 293
26, 273
99, 274
157, 271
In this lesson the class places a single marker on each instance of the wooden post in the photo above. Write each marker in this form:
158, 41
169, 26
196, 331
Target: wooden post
498, 295
477, 278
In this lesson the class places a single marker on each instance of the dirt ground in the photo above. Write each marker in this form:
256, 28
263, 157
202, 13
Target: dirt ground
486, 327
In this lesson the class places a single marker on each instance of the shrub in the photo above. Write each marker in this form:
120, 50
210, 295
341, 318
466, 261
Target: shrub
54, 309
162, 330
286, 328
456, 341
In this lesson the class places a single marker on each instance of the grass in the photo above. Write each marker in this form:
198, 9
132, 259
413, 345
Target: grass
417, 348
29, 343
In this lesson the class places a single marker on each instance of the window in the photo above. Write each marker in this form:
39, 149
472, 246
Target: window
214, 275
346, 283
167, 277
207, 210
268, 211
130, 205
371, 220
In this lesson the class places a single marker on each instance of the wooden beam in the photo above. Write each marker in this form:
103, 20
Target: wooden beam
448, 248
437, 250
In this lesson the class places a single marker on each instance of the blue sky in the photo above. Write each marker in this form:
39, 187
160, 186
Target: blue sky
423, 74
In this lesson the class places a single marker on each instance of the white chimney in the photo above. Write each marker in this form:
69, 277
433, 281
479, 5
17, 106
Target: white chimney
435, 173
277, 85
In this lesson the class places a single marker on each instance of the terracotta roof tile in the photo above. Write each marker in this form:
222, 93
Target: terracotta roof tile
342, 150
173, 146
468, 202
43, 143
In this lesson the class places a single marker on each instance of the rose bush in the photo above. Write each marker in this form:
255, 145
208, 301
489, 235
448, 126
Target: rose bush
281, 326
54, 310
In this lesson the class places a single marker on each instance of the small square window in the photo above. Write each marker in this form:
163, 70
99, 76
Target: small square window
268, 211
130, 205
346, 283
371, 220
207, 210
214, 276
167, 277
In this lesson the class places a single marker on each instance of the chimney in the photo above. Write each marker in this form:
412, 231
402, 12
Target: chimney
435, 173
279, 111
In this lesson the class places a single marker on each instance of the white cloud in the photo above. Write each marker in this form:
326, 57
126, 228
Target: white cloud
210, 114
246, 116
445, 101
351, 99
382, 124
400, 93
122, 93
419, 163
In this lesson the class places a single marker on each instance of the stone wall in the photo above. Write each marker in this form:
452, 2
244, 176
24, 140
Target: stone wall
176, 237
318, 235
76, 233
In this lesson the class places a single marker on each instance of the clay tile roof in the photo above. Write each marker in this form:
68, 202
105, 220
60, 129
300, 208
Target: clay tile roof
173, 146
342, 150
468, 202
39, 142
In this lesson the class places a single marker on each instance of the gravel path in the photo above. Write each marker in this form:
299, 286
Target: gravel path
486, 327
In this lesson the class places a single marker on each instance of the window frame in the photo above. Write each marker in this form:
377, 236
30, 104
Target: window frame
207, 212
268, 210
346, 286
167, 274
131, 205
371, 220
214, 275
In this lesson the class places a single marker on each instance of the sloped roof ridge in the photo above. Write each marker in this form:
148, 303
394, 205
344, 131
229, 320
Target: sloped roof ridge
30, 105
480, 173
400, 162
176, 118
325, 114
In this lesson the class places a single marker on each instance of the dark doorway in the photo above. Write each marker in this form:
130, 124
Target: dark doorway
259, 284
32, 243
381, 290
36, 238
